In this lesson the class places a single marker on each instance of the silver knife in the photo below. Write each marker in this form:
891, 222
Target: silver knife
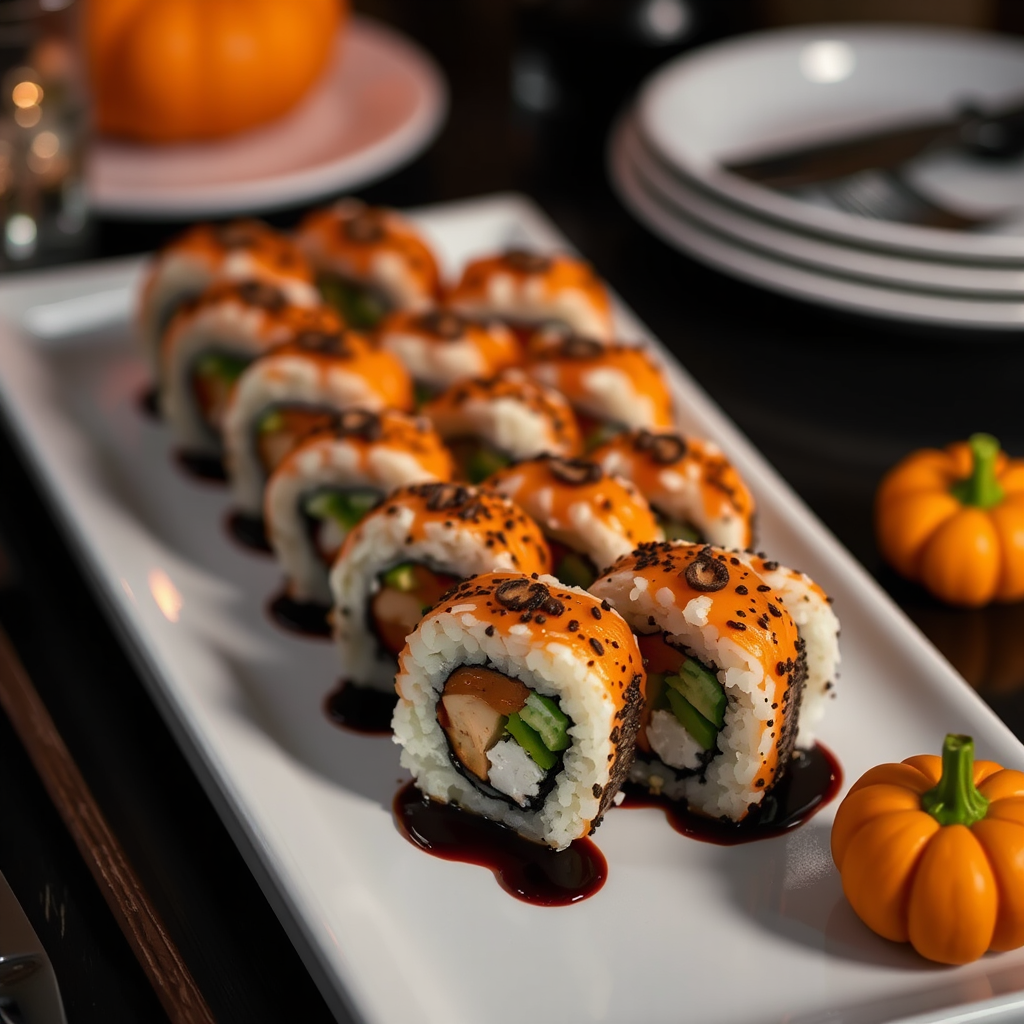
28, 986
993, 135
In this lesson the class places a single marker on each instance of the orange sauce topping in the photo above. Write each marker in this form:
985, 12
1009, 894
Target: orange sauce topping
348, 237
645, 457
569, 365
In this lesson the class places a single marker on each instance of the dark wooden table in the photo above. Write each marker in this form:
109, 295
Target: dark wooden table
830, 400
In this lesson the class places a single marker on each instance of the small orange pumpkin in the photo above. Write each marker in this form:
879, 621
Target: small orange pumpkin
173, 70
931, 852
953, 521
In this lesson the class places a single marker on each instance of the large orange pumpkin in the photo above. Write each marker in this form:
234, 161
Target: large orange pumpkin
173, 70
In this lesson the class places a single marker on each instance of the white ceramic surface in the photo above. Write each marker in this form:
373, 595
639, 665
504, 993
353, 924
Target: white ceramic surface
819, 253
685, 229
380, 102
760, 94
385, 928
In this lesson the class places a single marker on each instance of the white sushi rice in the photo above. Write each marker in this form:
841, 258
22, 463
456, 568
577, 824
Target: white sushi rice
354, 579
333, 463
506, 423
289, 379
177, 276
230, 327
527, 300
726, 788
606, 393
602, 538
388, 271
681, 497
818, 626
442, 643
436, 365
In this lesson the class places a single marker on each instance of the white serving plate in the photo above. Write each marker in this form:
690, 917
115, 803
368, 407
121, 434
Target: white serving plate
756, 95
380, 101
388, 931
819, 253
719, 241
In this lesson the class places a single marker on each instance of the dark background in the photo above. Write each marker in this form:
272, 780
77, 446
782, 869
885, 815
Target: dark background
831, 400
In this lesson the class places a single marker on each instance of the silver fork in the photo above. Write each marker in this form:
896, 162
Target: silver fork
886, 195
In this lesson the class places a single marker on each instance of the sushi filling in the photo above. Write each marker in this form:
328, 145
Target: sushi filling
504, 737
330, 514
685, 709
213, 376
595, 432
679, 529
361, 305
476, 458
405, 592
281, 427
574, 568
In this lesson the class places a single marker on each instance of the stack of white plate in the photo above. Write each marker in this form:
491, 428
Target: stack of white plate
760, 95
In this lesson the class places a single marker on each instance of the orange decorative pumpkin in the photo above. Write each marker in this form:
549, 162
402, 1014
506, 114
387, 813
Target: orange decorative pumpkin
953, 521
173, 70
931, 852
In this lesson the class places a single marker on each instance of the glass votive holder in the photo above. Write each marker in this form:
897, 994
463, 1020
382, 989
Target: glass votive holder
43, 134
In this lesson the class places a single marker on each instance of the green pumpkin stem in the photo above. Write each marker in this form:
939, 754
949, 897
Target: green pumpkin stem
956, 800
981, 489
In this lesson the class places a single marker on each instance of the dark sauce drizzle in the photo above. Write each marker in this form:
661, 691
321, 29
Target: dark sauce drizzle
202, 467
360, 709
249, 531
812, 780
149, 403
304, 617
529, 871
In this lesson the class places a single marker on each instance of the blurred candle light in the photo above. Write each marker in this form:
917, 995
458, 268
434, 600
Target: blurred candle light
27, 94
28, 117
20, 237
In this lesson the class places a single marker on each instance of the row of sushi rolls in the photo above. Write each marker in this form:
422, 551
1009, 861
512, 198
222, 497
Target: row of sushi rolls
484, 492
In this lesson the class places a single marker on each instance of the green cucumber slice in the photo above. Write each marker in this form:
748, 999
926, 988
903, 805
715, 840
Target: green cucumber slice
483, 463
346, 508
655, 691
530, 741
360, 307
221, 365
702, 690
270, 422
401, 577
545, 717
691, 719
676, 529
574, 570
601, 433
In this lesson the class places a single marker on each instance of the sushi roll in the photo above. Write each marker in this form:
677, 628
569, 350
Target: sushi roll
369, 261
208, 343
529, 289
406, 553
333, 478
589, 518
491, 423
239, 251
818, 625
519, 700
611, 386
693, 488
441, 348
297, 388
725, 668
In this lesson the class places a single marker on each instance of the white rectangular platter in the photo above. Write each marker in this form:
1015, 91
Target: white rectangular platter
683, 930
